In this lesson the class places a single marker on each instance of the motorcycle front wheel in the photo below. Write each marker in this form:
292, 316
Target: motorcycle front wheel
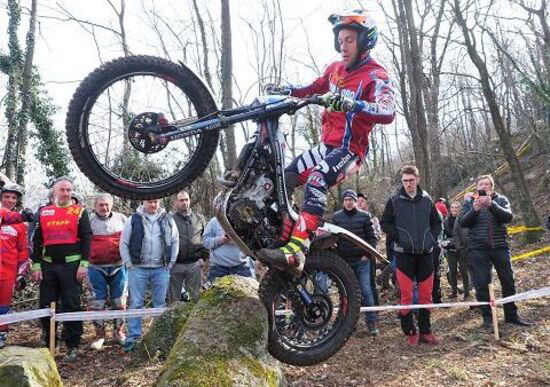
107, 124
303, 333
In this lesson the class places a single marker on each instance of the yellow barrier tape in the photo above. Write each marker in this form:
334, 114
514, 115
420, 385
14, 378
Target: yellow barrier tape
519, 229
531, 253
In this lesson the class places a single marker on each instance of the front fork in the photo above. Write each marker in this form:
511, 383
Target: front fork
297, 291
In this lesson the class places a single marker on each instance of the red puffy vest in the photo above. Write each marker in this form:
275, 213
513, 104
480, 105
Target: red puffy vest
105, 249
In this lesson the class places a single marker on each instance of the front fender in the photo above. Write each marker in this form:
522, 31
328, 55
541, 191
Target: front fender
333, 230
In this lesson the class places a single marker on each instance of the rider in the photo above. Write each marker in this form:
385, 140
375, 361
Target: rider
359, 94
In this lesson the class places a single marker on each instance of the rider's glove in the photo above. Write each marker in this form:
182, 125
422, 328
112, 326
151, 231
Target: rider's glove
341, 104
27, 214
272, 89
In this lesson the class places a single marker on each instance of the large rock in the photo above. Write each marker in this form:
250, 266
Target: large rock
159, 340
28, 367
224, 341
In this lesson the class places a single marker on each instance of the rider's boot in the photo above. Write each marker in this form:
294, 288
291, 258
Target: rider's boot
292, 256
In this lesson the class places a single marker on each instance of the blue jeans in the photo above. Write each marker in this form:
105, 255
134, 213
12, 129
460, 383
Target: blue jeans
244, 270
107, 282
362, 272
138, 279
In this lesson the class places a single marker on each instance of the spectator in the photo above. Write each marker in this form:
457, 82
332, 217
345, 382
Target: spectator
456, 251
225, 257
189, 263
436, 258
441, 206
149, 249
61, 247
14, 254
77, 199
359, 222
485, 214
411, 220
363, 205
107, 275
32, 225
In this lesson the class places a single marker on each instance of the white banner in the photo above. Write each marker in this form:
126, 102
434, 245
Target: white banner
108, 314
24, 316
525, 296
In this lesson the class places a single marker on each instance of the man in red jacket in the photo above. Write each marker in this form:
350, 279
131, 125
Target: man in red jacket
14, 253
360, 95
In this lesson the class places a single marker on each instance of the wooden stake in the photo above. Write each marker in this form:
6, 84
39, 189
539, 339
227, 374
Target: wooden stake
494, 311
52, 329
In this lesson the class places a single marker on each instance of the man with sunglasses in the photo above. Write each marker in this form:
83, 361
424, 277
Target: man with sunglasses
360, 95
412, 222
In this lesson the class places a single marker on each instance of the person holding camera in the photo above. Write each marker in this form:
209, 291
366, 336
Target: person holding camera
188, 268
485, 214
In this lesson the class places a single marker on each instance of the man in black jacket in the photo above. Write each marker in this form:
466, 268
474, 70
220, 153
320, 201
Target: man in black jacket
411, 220
485, 214
360, 223
61, 247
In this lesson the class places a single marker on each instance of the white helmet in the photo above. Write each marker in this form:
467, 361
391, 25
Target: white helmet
14, 188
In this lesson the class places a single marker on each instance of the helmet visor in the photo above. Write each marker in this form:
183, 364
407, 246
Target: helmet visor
348, 19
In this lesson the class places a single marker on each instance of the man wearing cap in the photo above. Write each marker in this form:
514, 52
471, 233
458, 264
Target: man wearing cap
358, 222
14, 254
61, 246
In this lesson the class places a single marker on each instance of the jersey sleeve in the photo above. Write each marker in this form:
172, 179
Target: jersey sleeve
10, 217
22, 245
318, 86
379, 107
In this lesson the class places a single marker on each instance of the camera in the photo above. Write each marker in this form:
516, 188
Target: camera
482, 192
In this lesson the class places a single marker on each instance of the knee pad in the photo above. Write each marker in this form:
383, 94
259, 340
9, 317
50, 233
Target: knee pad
317, 179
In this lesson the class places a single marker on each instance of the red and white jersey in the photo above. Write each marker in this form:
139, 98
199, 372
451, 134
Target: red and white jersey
368, 82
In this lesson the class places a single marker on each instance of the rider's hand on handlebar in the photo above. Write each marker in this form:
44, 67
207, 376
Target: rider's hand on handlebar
341, 104
272, 89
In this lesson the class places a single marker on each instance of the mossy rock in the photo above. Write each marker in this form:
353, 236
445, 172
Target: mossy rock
224, 341
28, 367
160, 338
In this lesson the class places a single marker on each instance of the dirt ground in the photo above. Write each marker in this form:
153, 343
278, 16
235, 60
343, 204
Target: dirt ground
466, 355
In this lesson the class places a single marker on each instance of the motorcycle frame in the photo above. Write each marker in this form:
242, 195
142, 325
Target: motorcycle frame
269, 130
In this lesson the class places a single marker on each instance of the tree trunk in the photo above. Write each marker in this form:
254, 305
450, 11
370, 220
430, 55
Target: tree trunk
227, 81
24, 113
12, 99
202, 31
524, 195
415, 88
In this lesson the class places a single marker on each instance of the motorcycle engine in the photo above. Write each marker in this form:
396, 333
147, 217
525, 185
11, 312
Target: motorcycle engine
252, 214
